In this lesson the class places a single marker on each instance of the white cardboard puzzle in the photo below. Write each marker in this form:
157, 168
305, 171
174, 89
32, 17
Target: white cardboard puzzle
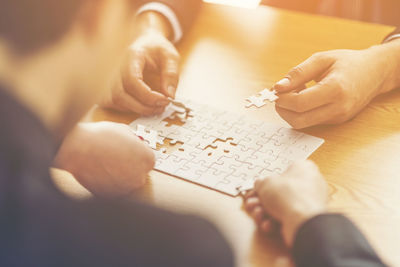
219, 149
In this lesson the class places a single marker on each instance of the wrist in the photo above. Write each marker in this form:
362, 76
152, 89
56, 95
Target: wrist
389, 56
292, 223
154, 23
71, 147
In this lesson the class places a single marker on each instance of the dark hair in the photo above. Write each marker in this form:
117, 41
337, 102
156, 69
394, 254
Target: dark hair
28, 25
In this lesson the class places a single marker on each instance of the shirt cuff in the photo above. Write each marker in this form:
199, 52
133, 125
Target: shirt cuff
391, 38
169, 14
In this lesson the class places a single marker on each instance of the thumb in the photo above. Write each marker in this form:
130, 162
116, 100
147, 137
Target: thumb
170, 76
307, 71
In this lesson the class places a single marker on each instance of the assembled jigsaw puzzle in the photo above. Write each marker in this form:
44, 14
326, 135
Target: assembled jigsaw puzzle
221, 150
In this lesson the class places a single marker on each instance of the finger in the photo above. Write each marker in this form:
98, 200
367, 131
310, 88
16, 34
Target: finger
170, 76
309, 70
135, 86
127, 102
249, 194
266, 226
251, 203
258, 214
298, 89
258, 184
316, 96
310, 118
159, 111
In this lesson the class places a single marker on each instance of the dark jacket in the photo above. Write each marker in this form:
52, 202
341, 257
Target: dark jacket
41, 227
186, 10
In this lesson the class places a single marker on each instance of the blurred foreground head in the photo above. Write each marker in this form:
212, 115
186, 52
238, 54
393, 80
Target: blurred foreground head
67, 49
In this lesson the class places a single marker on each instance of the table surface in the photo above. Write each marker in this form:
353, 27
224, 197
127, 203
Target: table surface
232, 53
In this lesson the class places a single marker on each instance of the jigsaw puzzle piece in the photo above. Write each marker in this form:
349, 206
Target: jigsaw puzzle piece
150, 136
211, 178
256, 101
224, 163
286, 136
269, 95
241, 153
235, 133
259, 159
265, 173
271, 149
170, 164
186, 152
204, 141
150, 121
191, 171
249, 184
259, 99
228, 186
280, 165
245, 171
300, 146
207, 157
160, 154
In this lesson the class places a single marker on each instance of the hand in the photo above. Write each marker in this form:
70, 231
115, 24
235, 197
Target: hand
106, 158
290, 199
153, 52
346, 81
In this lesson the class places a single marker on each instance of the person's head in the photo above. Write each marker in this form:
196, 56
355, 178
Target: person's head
78, 42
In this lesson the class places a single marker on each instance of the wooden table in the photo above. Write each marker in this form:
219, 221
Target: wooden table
232, 53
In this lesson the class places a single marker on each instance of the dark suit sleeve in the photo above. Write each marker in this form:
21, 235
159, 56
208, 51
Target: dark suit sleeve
186, 11
102, 233
332, 240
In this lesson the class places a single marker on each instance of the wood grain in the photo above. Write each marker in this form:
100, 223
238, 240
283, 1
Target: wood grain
232, 53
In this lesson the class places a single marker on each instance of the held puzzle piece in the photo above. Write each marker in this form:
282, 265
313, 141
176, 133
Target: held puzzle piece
259, 99
219, 149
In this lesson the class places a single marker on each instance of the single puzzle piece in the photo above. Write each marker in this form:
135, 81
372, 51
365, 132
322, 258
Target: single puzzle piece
208, 157
280, 165
269, 95
286, 136
211, 178
255, 101
186, 152
259, 159
242, 153
271, 146
249, 184
170, 165
191, 171
150, 136
245, 171
259, 99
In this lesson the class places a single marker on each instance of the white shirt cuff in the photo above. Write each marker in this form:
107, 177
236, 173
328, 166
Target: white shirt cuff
392, 37
169, 14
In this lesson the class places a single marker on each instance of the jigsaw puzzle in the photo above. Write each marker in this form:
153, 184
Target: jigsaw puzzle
221, 150
259, 99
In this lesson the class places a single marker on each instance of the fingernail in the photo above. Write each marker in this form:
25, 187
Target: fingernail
171, 91
285, 82
162, 103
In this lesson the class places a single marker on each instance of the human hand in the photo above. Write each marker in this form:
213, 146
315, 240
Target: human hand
289, 200
346, 81
106, 158
151, 52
